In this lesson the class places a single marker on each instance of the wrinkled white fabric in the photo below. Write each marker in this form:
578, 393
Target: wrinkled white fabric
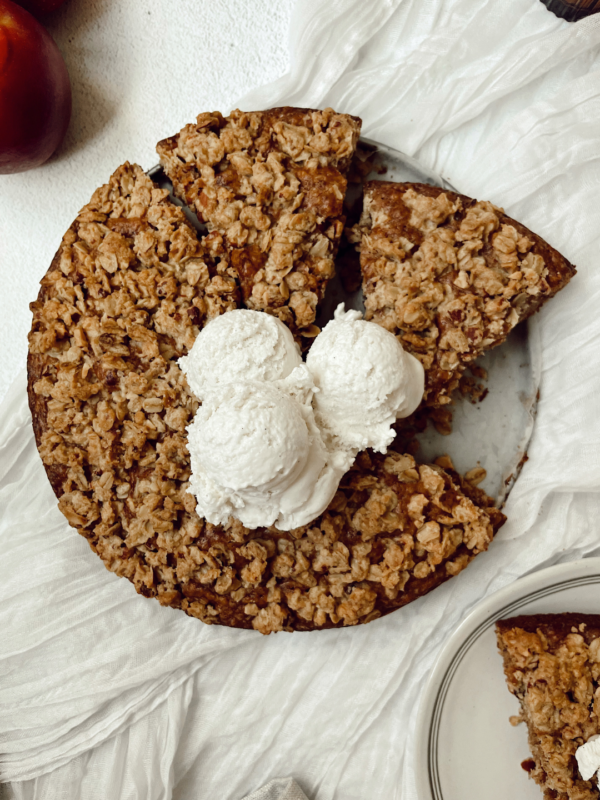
278, 789
503, 99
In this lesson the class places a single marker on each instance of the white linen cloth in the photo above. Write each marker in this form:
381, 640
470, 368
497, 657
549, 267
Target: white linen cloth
105, 694
278, 789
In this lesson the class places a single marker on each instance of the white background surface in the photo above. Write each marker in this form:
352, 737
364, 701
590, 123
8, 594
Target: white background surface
140, 69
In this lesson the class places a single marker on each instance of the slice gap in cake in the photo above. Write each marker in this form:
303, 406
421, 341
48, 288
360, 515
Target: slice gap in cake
552, 665
450, 276
270, 186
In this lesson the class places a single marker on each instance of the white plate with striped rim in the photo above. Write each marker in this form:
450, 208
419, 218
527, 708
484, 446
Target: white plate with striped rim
466, 747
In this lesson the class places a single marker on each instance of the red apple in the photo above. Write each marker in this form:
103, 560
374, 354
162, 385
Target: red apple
35, 91
40, 6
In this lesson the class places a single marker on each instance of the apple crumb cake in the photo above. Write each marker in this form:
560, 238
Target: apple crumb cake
449, 275
552, 665
124, 297
270, 186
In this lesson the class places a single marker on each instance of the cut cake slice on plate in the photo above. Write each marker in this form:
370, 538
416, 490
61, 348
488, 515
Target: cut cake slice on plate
270, 186
449, 275
552, 665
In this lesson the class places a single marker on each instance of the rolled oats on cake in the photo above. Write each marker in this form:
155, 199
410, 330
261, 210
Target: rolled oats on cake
552, 666
449, 275
125, 296
270, 186
123, 300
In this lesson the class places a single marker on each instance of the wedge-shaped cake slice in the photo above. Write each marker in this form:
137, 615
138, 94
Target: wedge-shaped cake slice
270, 186
552, 665
449, 275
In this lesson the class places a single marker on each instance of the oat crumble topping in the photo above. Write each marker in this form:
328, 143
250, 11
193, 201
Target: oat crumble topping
270, 186
450, 276
552, 665
132, 285
123, 299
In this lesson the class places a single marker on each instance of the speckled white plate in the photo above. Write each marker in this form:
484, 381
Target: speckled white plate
466, 747
493, 434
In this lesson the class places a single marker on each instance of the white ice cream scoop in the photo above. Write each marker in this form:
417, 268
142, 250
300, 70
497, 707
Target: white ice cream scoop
250, 436
257, 454
366, 381
240, 345
273, 436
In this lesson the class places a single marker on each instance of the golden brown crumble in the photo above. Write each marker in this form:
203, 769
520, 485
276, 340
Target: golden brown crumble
450, 276
270, 185
552, 665
126, 294
125, 297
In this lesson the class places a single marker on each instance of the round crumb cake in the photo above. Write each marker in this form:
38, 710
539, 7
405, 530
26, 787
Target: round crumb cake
124, 298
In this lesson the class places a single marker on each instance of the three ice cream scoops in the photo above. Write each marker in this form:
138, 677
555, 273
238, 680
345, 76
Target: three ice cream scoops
274, 435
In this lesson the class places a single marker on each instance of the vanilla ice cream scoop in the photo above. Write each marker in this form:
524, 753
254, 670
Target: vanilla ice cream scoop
252, 436
273, 436
366, 381
240, 345
257, 454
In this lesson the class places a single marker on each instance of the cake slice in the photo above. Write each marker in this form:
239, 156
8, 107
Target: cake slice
270, 186
552, 665
449, 275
